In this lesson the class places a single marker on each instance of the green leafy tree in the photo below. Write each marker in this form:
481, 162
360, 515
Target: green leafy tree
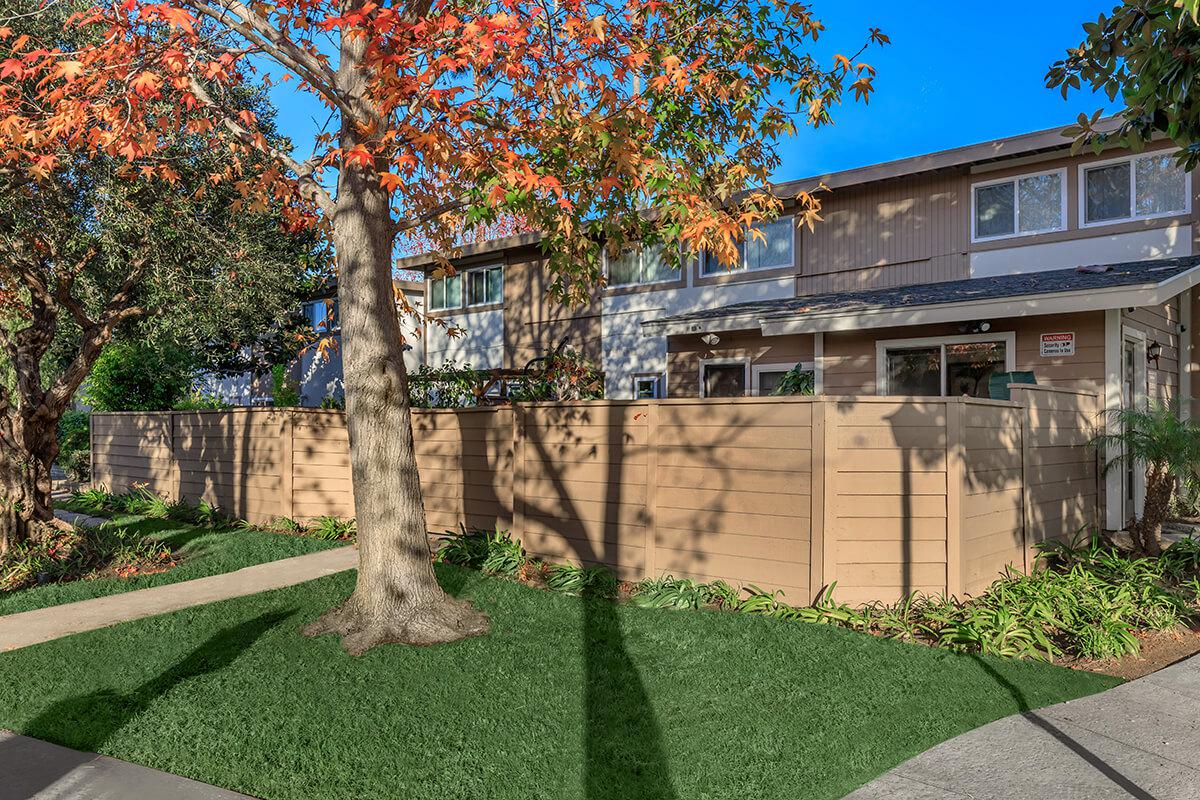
1167, 447
134, 376
92, 246
1148, 55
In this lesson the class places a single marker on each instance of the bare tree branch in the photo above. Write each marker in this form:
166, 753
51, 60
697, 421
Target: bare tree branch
240, 18
310, 188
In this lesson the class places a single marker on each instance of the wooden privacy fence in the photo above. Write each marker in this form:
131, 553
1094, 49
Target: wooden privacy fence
883, 495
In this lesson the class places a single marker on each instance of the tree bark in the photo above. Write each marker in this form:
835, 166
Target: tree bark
25, 482
1146, 531
397, 597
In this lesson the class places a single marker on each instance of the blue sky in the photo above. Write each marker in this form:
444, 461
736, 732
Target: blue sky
955, 73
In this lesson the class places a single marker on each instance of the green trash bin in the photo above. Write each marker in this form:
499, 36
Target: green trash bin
998, 383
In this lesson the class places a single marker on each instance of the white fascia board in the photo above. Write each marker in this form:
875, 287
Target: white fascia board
740, 322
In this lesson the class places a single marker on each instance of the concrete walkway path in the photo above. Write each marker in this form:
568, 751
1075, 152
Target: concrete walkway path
1140, 740
35, 770
33, 627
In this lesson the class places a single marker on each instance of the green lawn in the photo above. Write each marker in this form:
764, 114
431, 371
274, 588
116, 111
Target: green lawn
203, 551
564, 699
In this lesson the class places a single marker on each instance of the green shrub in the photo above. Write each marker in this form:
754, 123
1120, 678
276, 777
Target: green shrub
74, 444
797, 381
195, 401
54, 555
132, 376
333, 529
681, 593
93, 501
205, 514
494, 552
594, 581
285, 392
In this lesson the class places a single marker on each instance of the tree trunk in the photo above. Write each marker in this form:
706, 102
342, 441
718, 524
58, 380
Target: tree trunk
1146, 532
397, 597
25, 483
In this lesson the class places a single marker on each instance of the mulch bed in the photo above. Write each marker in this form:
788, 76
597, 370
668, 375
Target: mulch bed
1159, 649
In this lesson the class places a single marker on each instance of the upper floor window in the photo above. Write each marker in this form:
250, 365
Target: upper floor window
1138, 187
485, 286
445, 293
639, 265
323, 315
774, 248
1020, 206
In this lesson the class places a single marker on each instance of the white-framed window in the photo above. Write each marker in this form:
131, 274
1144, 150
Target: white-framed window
1133, 187
768, 376
724, 377
323, 315
943, 366
647, 387
1022, 205
769, 245
446, 293
485, 285
638, 265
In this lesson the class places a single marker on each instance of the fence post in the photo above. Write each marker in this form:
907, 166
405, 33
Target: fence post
92, 451
816, 531
518, 473
287, 460
956, 487
1026, 464
829, 470
651, 566
176, 471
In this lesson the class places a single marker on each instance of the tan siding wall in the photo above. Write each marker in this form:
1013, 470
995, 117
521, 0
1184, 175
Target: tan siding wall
850, 357
1160, 324
883, 496
684, 354
905, 231
534, 324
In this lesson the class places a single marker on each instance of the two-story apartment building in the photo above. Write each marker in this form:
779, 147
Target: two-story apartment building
927, 276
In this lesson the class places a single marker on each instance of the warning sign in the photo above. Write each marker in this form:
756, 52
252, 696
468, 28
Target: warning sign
1058, 344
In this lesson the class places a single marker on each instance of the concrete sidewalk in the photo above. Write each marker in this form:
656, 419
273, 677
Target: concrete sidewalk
31, 769
33, 627
1139, 740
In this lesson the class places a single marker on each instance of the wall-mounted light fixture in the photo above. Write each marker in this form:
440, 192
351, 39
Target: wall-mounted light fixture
1153, 351
979, 326
710, 339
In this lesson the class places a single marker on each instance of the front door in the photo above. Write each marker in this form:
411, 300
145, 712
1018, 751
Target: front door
1133, 395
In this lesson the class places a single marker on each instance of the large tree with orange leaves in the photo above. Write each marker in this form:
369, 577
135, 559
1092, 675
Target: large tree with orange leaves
596, 121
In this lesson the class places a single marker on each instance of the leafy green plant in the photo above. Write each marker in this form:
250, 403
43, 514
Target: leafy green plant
796, 381
195, 401
285, 392
682, 593
145, 503
135, 376
55, 555
565, 374
74, 444
495, 552
1168, 446
206, 514
594, 581
92, 501
451, 385
331, 403
332, 528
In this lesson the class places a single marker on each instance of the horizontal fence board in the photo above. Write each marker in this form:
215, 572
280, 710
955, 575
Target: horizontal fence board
731, 479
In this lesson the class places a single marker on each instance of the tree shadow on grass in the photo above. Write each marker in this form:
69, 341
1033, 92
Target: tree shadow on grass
87, 722
623, 743
1061, 736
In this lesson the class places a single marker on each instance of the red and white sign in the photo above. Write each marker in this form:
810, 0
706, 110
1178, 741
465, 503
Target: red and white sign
1058, 344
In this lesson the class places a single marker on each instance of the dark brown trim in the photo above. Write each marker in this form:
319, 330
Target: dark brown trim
639, 288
